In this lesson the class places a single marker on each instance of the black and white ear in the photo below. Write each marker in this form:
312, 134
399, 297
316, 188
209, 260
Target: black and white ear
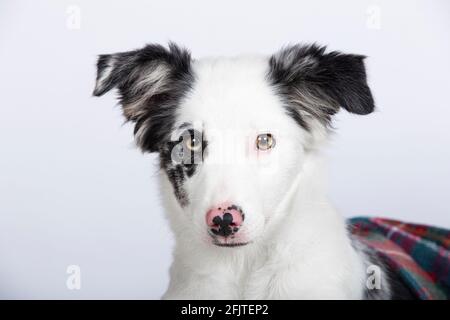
150, 82
316, 83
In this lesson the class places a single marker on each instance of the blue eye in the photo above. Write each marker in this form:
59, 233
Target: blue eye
265, 141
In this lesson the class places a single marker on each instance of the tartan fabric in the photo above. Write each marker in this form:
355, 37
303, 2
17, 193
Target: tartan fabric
419, 254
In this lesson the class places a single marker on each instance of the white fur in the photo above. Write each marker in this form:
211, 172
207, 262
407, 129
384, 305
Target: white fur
299, 245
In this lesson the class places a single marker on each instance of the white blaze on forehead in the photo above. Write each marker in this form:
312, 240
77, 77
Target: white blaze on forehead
233, 93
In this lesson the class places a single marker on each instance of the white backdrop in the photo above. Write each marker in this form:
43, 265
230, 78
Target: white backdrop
75, 191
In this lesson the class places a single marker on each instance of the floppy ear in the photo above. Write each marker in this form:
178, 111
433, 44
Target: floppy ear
316, 83
150, 82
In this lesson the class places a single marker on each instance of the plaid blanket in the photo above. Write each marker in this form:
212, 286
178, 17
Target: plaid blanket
419, 254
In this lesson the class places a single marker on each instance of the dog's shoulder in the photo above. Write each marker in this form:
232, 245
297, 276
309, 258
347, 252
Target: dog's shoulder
391, 284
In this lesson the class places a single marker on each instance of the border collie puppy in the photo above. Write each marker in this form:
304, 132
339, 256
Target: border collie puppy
242, 175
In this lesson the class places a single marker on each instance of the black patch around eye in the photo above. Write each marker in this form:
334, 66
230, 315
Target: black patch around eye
180, 163
190, 169
177, 178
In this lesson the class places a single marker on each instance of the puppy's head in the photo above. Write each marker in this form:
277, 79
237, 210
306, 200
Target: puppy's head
232, 133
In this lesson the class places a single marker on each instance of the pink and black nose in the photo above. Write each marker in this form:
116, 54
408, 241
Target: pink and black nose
224, 220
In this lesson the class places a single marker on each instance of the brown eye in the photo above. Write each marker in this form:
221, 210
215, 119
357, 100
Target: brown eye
193, 143
265, 141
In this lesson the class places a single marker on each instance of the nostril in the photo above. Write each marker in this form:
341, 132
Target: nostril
227, 218
216, 221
